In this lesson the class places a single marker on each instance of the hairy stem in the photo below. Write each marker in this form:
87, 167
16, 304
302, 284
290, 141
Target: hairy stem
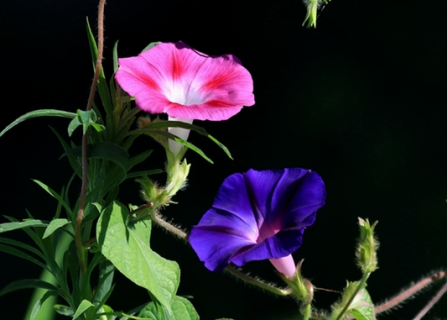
80, 248
169, 227
432, 302
393, 302
258, 283
246, 278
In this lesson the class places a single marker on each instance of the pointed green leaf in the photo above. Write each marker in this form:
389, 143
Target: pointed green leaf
172, 137
26, 284
139, 174
54, 194
39, 113
103, 90
175, 124
73, 125
179, 124
20, 254
9, 226
139, 158
106, 272
85, 304
23, 246
115, 57
39, 303
126, 244
53, 226
104, 150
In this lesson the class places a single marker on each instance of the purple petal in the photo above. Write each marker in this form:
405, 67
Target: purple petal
216, 246
277, 246
258, 215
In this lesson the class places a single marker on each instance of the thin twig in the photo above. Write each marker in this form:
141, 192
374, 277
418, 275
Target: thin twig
144, 206
409, 292
258, 283
80, 216
169, 227
432, 302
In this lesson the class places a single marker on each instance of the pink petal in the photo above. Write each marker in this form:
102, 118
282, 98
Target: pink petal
175, 79
285, 265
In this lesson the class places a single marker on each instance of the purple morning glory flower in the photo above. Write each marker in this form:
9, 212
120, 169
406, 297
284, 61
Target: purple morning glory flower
259, 215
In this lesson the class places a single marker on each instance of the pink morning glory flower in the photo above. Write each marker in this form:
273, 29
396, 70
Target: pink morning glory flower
175, 79
259, 215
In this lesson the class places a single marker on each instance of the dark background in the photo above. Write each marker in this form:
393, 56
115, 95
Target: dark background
360, 100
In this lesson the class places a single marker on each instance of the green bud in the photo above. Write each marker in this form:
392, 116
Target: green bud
177, 176
311, 15
367, 247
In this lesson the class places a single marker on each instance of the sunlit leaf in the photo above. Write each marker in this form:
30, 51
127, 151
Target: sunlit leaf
126, 244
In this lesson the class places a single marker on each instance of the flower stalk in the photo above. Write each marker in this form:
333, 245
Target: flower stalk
80, 215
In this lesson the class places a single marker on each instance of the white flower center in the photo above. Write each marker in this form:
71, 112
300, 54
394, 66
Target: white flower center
184, 94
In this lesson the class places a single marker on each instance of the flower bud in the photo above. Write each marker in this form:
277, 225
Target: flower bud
367, 247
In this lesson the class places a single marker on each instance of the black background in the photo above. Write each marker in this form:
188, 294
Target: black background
360, 100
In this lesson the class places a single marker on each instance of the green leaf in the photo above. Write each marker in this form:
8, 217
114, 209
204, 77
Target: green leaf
39, 303
26, 284
10, 226
73, 125
106, 272
139, 158
86, 119
104, 150
126, 244
139, 174
103, 90
76, 165
54, 194
361, 307
182, 309
39, 113
221, 145
115, 57
23, 246
85, 304
105, 313
172, 137
63, 310
53, 226
180, 124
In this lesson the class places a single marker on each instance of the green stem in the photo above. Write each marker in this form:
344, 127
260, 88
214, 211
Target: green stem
359, 287
80, 216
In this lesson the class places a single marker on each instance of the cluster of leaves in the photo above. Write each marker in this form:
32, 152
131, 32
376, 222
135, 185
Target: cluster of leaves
120, 241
